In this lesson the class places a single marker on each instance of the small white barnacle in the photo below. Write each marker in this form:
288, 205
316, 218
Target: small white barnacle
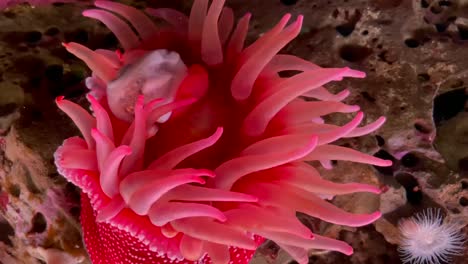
157, 74
427, 239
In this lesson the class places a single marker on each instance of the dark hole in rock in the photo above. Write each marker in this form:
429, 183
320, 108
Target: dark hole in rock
32, 36
424, 4
365, 33
32, 114
452, 19
409, 160
289, 2
354, 53
14, 190
72, 193
54, 72
79, 36
6, 230
34, 82
368, 97
387, 3
335, 13
52, 31
424, 77
411, 43
387, 156
423, 128
436, 9
8, 109
75, 211
464, 184
445, 3
463, 167
72, 86
448, 105
414, 194
30, 184
110, 41
380, 140
463, 201
9, 14
39, 223
463, 32
441, 27
345, 29
29, 65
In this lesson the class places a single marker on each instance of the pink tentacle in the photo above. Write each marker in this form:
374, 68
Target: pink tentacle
236, 43
104, 146
176, 19
196, 21
191, 248
332, 152
143, 25
82, 119
207, 229
134, 161
111, 209
304, 176
242, 83
99, 64
175, 156
257, 120
211, 46
109, 178
225, 24
163, 213
83, 159
286, 62
231, 171
141, 189
121, 30
103, 123
203, 194
323, 94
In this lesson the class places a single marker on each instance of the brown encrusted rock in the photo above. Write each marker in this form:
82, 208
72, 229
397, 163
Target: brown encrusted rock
36, 219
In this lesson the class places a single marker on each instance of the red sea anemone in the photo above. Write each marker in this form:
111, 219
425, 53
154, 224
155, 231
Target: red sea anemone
197, 148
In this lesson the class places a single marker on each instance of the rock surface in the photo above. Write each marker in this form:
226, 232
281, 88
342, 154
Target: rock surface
414, 52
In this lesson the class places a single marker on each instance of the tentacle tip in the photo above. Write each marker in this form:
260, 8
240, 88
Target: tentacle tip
376, 215
355, 108
86, 13
66, 45
287, 16
349, 251
59, 99
386, 163
127, 150
299, 20
384, 189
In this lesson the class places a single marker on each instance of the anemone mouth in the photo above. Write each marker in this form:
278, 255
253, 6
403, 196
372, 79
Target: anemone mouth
199, 171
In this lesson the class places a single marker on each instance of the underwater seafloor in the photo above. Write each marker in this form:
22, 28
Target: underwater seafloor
415, 54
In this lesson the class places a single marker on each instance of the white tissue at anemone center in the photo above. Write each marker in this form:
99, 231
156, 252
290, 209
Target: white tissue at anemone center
154, 74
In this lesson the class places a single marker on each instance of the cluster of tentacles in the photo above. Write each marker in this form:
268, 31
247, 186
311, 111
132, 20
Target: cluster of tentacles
196, 148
